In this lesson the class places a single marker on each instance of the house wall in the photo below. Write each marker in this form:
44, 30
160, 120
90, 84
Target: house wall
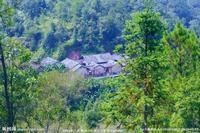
108, 71
82, 72
99, 71
116, 69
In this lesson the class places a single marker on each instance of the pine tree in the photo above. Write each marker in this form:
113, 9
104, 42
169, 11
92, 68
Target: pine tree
140, 98
143, 36
183, 46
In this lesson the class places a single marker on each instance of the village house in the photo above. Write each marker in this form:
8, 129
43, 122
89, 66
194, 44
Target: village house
95, 70
102, 64
69, 63
45, 62
75, 66
97, 65
81, 70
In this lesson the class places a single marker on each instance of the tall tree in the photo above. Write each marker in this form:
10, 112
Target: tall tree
143, 36
183, 48
17, 78
142, 85
5, 19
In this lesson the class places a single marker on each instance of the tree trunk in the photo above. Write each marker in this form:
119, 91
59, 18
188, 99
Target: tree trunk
58, 129
145, 118
7, 97
47, 128
146, 87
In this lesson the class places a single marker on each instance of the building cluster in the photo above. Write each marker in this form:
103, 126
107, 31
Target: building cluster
97, 65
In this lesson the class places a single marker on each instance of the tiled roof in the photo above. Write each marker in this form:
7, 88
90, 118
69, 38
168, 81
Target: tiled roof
98, 58
117, 57
48, 61
110, 63
69, 63
76, 68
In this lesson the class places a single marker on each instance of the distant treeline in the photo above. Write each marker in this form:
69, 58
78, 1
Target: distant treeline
56, 27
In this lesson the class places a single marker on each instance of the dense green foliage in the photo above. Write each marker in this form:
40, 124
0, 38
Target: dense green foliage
146, 71
163, 77
158, 89
57, 27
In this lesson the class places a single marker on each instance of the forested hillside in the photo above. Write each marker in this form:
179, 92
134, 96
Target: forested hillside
53, 78
55, 27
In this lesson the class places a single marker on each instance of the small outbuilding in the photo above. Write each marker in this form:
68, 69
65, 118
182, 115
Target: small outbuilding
48, 61
69, 63
81, 70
